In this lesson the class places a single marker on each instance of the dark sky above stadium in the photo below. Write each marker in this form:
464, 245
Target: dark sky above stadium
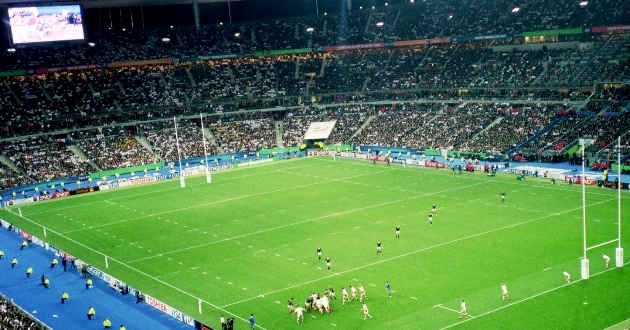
212, 11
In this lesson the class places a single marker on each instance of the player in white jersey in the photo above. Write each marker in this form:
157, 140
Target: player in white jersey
344, 296
362, 291
353, 292
366, 312
463, 312
299, 311
505, 291
325, 304
606, 260
567, 277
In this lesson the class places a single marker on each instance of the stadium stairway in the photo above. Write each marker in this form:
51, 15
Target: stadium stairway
537, 135
45, 304
146, 144
6, 161
365, 124
77, 151
211, 139
279, 132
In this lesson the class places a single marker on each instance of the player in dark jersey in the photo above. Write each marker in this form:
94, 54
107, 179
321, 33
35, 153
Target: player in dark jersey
319, 253
397, 231
431, 219
328, 262
503, 196
433, 209
290, 306
378, 247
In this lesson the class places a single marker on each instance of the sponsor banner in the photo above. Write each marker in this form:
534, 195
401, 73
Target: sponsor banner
169, 310
201, 326
53, 196
485, 37
603, 29
435, 164
67, 68
578, 180
94, 271
220, 167
26, 235
80, 191
22, 201
255, 162
106, 185
4, 223
422, 42
140, 63
318, 153
352, 47
613, 184
148, 179
209, 57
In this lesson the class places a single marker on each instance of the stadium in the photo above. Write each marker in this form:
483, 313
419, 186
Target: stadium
215, 164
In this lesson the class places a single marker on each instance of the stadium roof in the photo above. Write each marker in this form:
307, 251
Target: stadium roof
112, 3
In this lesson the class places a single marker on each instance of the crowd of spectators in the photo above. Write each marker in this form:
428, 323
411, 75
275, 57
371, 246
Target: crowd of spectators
391, 124
556, 138
13, 317
515, 124
114, 152
244, 134
45, 158
161, 135
11, 179
454, 125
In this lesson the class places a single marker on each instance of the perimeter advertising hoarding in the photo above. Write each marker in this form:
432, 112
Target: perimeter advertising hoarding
45, 24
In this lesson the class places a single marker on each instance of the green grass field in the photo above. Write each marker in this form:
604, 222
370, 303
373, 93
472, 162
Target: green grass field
247, 242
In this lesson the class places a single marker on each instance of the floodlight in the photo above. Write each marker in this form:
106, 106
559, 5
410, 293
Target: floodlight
516, 10
380, 24
583, 4
166, 39
309, 29
237, 34
91, 44
11, 50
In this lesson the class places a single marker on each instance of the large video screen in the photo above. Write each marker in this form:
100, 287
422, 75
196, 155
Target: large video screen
45, 24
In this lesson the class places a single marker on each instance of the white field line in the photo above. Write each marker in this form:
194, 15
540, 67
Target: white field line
452, 310
528, 298
141, 272
533, 183
414, 252
162, 190
617, 324
216, 202
306, 221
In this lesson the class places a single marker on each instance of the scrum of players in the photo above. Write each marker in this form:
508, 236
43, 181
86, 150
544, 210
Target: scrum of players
321, 302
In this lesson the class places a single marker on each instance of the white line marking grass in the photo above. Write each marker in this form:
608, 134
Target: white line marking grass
415, 252
529, 298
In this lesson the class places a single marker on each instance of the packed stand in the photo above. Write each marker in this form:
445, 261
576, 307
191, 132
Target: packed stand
294, 127
44, 158
242, 133
555, 140
390, 126
349, 119
517, 125
11, 179
453, 125
13, 317
118, 151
